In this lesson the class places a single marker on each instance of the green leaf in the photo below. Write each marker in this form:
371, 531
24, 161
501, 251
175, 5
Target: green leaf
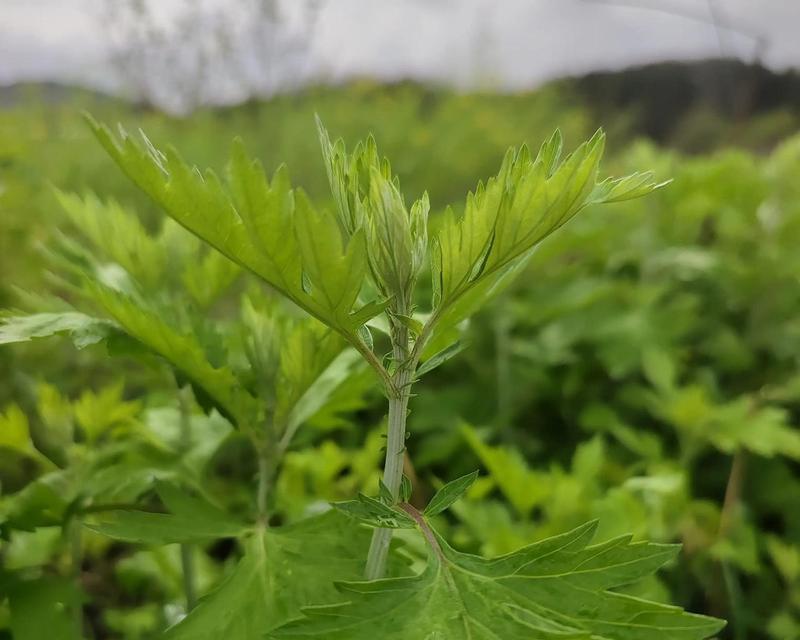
766, 431
266, 227
181, 349
82, 329
99, 412
117, 234
313, 363
440, 358
14, 430
41, 609
659, 368
630, 187
282, 570
406, 489
191, 519
368, 199
477, 255
522, 486
15, 434
449, 493
40, 504
375, 513
556, 588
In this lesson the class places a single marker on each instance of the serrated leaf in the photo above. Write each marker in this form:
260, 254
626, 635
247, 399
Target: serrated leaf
449, 493
312, 363
368, 199
98, 412
375, 513
264, 226
477, 255
82, 329
181, 349
15, 434
630, 187
556, 588
282, 570
191, 519
118, 234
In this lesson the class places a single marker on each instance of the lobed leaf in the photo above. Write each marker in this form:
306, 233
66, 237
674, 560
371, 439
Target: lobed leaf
82, 329
282, 570
181, 349
556, 588
476, 256
266, 227
191, 519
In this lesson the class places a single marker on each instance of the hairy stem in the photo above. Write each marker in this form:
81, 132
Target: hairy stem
399, 395
430, 537
263, 488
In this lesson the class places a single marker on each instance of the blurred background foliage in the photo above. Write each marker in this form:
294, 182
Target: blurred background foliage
643, 372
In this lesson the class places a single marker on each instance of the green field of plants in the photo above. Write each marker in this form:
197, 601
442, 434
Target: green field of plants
340, 365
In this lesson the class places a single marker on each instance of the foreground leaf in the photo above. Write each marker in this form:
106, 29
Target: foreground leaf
282, 570
556, 588
191, 519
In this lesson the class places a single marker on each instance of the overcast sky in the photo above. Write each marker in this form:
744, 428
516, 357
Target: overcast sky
510, 43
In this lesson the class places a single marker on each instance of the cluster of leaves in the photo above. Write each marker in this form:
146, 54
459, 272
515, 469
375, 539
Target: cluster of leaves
265, 371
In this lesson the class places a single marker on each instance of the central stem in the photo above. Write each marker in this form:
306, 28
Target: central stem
263, 488
395, 448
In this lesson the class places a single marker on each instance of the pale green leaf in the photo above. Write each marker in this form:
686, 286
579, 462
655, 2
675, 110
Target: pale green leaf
15, 433
82, 329
99, 412
369, 200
